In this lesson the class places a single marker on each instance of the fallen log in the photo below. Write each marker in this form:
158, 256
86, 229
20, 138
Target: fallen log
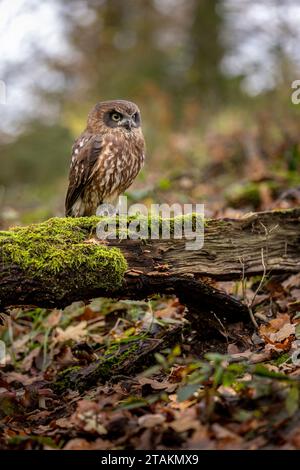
60, 261
123, 360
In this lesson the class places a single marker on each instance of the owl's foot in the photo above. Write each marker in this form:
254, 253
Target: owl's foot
106, 210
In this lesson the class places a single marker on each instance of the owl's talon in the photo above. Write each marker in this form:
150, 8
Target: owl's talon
106, 210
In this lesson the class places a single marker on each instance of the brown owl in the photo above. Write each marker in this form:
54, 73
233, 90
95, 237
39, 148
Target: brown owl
105, 158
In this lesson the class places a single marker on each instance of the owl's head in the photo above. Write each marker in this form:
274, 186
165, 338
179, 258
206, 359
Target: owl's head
116, 114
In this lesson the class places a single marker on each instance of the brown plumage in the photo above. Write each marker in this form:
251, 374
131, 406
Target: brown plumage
106, 157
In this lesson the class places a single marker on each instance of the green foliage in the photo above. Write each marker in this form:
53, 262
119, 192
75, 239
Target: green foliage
253, 380
207, 377
185, 392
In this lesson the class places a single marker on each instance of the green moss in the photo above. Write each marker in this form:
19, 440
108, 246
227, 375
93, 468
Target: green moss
282, 359
63, 378
101, 370
126, 226
59, 245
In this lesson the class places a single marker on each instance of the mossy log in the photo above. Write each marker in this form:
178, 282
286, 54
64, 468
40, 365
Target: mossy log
120, 360
61, 260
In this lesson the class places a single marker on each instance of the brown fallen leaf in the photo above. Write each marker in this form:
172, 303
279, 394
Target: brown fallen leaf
88, 417
185, 424
83, 444
232, 349
38, 415
287, 330
278, 329
221, 432
54, 318
181, 405
156, 385
76, 332
151, 420
64, 423
278, 322
29, 359
200, 440
292, 281
18, 377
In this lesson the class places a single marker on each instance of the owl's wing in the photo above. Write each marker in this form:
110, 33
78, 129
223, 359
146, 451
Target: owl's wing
85, 154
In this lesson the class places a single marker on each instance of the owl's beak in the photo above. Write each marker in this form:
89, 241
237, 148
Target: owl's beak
128, 123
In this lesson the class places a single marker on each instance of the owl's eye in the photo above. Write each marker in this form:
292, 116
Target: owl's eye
116, 116
136, 118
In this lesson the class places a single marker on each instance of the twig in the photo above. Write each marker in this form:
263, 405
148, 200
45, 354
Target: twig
248, 304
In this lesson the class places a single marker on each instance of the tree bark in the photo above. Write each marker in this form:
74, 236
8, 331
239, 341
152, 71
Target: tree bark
233, 248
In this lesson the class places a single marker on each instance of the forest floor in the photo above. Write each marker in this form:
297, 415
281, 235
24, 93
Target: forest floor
246, 398
242, 393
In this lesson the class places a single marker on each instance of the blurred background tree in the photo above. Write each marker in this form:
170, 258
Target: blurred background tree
212, 78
